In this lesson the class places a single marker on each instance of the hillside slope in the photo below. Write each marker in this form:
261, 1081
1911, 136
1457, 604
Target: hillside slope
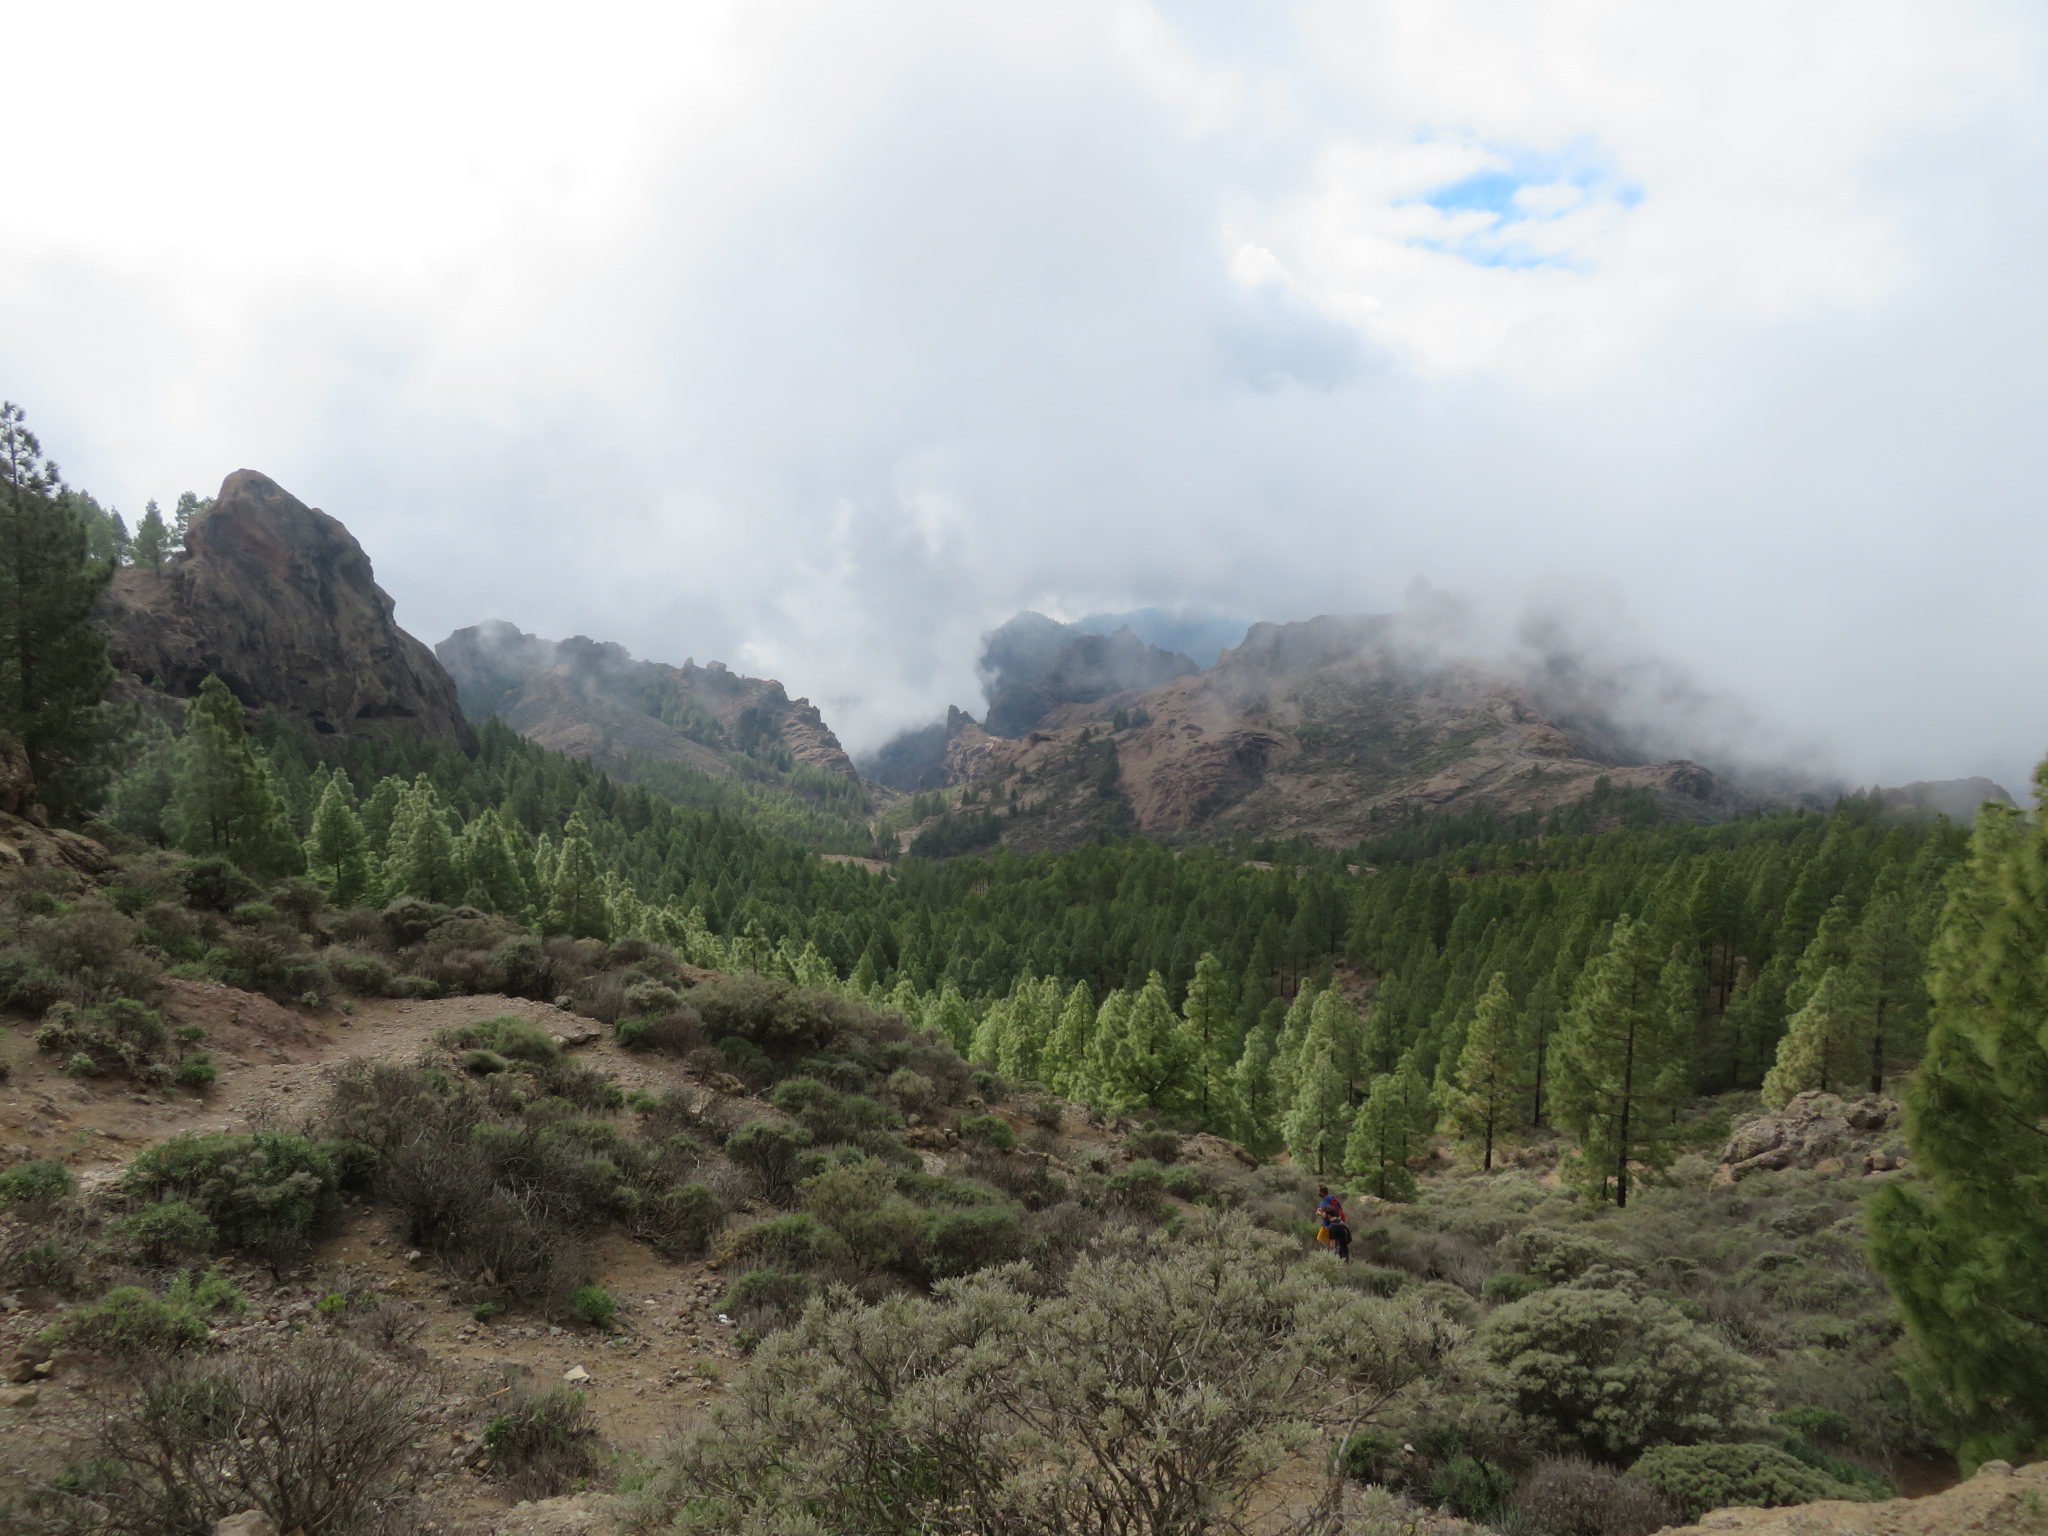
596, 700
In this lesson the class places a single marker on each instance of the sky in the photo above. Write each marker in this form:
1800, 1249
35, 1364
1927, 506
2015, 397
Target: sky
820, 338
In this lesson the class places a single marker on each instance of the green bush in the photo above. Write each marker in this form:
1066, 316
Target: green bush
130, 1321
364, 975
1559, 1255
197, 1072
1614, 1374
1475, 1489
265, 1191
1570, 1496
166, 1232
1698, 1478
682, 1222
217, 885
990, 1131
775, 1016
595, 1305
37, 1186
1371, 1456
1504, 1286
514, 1038
772, 1153
961, 1242
122, 1036
763, 1300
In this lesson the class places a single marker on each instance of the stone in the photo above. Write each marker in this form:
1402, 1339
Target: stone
279, 599
18, 1397
575, 1375
250, 1522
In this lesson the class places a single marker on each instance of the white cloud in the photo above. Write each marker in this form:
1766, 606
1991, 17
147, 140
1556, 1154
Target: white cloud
819, 338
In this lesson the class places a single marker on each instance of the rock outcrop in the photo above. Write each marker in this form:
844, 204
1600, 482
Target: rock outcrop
1331, 730
595, 700
1820, 1131
1997, 1499
27, 841
279, 599
1033, 664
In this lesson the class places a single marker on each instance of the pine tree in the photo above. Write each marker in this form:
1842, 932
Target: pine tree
1818, 1044
190, 506
1066, 1053
1251, 1091
1095, 1084
1487, 1083
490, 874
152, 539
223, 802
141, 798
1885, 980
576, 906
1964, 1245
1320, 1115
422, 861
952, 1017
1391, 1126
1153, 1064
337, 849
53, 662
1287, 1048
1621, 1057
380, 811
1208, 1012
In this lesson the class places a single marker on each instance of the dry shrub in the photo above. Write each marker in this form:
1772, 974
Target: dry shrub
318, 1437
1570, 1496
544, 1444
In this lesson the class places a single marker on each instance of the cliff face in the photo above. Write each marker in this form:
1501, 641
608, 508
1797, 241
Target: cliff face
595, 700
279, 599
1329, 730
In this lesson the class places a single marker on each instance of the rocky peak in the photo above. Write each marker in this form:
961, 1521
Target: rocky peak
279, 599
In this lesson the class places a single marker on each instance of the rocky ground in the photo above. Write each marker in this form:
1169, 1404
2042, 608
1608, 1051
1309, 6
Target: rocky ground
1999, 1499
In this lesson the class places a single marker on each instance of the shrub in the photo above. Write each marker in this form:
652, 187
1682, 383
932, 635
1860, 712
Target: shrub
1505, 1286
775, 1016
270, 963
1139, 1189
264, 1191
166, 1232
595, 1305
37, 1187
761, 1301
1475, 1489
122, 1036
772, 1153
990, 1131
543, 1445
197, 1072
1371, 1456
682, 1222
961, 1242
364, 975
1160, 1146
1559, 1255
217, 885
1697, 1478
333, 1455
26, 983
1612, 1373
1570, 1496
130, 1321
514, 1038
409, 920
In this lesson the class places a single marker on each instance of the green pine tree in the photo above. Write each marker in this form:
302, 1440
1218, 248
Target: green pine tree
1209, 1012
1819, 1044
1886, 981
1251, 1092
576, 904
337, 849
53, 661
380, 812
1486, 1086
152, 544
223, 802
1964, 1244
1066, 1053
1392, 1126
1320, 1115
1622, 1056
1154, 1064
490, 873
422, 861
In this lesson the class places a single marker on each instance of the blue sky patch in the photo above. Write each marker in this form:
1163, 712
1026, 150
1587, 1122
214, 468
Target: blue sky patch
1504, 240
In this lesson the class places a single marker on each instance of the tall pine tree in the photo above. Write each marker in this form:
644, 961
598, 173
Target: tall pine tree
1622, 1056
1486, 1086
53, 662
1964, 1245
223, 802
337, 848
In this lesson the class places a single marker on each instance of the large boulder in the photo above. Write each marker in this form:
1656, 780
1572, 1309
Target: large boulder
279, 599
1821, 1131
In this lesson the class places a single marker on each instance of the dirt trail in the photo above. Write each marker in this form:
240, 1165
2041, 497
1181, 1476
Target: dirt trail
667, 1356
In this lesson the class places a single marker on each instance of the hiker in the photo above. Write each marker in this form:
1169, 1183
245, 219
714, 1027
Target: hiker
1330, 1212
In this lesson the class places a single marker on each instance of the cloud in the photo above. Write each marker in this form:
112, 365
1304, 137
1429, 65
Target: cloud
821, 339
